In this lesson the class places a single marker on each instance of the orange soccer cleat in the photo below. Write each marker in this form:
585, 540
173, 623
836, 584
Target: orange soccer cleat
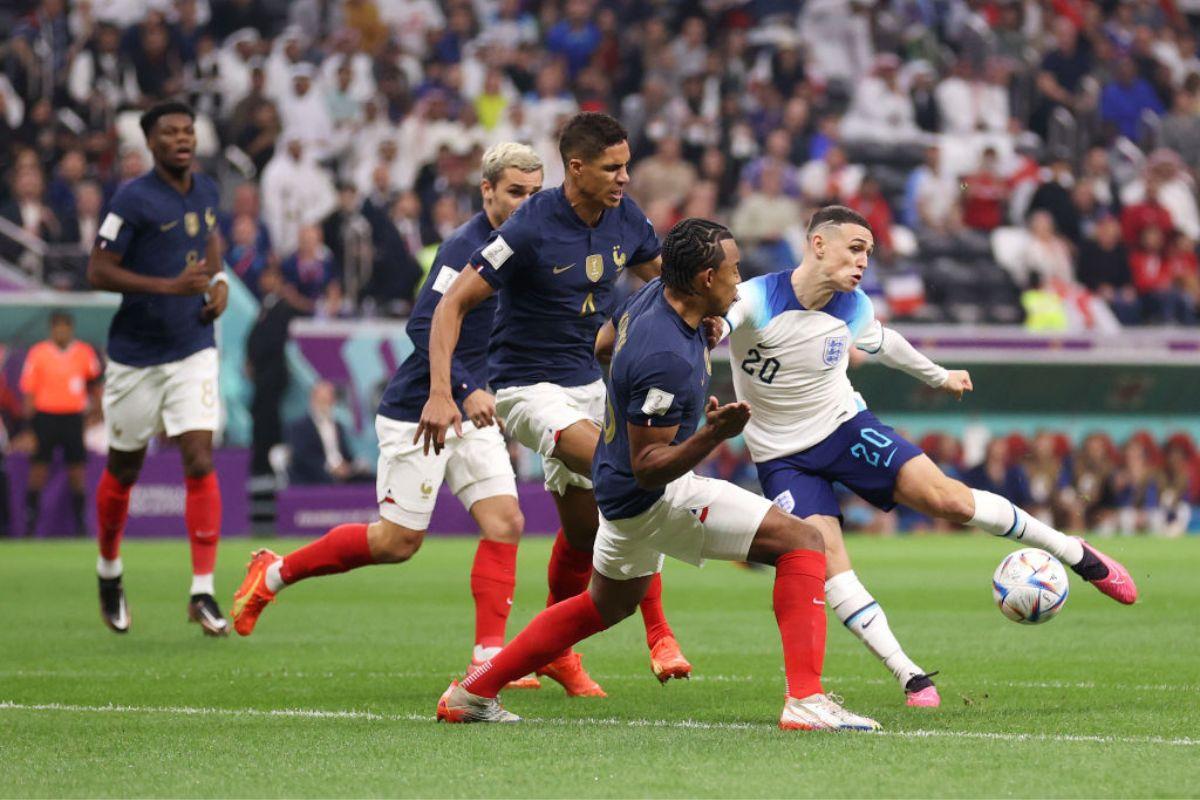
667, 661
568, 670
253, 595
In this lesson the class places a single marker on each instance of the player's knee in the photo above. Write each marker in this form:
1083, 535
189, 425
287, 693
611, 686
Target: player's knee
197, 464
393, 544
802, 535
952, 501
505, 526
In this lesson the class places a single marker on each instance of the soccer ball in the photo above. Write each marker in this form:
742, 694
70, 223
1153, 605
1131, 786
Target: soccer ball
1030, 586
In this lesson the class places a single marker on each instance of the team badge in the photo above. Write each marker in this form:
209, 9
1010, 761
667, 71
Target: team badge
191, 223
210, 218
835, 348
595, 267
707, 362
619, 257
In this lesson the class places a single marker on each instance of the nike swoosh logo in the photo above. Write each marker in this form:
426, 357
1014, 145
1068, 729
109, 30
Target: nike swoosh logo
557, 270
867, 624
817, 602
168, 226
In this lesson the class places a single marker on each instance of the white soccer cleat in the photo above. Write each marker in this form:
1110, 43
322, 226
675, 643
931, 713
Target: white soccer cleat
458, 705
818, 712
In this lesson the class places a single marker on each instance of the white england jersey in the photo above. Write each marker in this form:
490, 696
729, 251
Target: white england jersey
789, 363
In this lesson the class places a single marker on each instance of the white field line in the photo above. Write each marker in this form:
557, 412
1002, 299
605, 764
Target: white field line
702, 677
684, 724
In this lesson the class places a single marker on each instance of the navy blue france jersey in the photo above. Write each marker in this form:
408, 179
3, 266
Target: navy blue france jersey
659, 377
158, 232
408, 390
556, 280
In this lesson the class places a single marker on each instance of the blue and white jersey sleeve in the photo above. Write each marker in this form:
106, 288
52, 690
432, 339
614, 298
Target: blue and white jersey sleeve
866, 331
121, 223
750, 310
509, 249
657, 391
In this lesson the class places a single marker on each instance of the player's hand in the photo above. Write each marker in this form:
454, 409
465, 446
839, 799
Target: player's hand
193, 280
714, 330
438, 416
480, 407
957, 382
218, 298
726, 420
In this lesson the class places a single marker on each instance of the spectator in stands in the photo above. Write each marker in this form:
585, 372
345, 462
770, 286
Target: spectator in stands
1103, 267
665, 176
258, 139
576, 37
347, 234
101, 78
1183, 264
398, 237
985, 194
295, 192
242, 77
1146, 212
870, 202
304, 112
1179, 481
998, 474
831, 179
880, 110
246, 255
762, 222
775, 159
55, 380
28, 211
155, 56
60, 195
1054, 195
920, 77
1161, 299
1061, 81
1181, 128
932, 198
1126, 97
1097, 175
267, 366
969, 104
320, 447
311, 268
1084, 498
1174, 189
247, 203
1134, 491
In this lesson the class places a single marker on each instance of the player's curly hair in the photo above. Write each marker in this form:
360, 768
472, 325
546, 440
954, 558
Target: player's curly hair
689, 248
157, 112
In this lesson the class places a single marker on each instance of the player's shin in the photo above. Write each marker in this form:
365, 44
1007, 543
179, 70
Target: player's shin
202, 513
864, 617
493, 577
549, 633
342, 549
569, 570
112, 509
1000, 517
655, 619
800, 611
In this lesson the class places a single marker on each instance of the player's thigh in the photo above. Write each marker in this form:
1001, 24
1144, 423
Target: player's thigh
407, 479
868, 457
922, 485
480, 474
133, 405
191, 399
538, 415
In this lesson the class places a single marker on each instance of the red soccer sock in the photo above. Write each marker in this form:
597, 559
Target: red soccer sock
652, 612
112, 509
343, 548
202, 514
800, 611
569, 571
493, 576
549, 633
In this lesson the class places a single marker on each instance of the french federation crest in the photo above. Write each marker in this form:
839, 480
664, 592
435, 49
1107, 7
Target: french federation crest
191, 223
835, 348
595, 267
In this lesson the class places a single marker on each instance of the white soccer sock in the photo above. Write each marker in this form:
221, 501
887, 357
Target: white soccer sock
482, 654
1000, 517
109, 569
202, 584
274, 579
860, 612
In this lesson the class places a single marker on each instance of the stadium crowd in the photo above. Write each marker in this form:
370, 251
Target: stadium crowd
1019, 160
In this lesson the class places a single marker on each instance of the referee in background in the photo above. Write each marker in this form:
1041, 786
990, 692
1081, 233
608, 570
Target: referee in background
55, 382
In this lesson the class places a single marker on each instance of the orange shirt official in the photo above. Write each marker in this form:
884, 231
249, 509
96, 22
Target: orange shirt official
57, 379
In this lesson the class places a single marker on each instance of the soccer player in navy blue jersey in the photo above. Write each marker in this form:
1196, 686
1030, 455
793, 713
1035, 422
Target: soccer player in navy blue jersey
475, 463
554, 265
660, 423
159, 247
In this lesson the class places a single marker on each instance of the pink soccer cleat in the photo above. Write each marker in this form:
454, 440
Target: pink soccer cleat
920, 692
1117, 584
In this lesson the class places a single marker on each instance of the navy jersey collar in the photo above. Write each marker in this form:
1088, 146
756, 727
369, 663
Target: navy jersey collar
191, 190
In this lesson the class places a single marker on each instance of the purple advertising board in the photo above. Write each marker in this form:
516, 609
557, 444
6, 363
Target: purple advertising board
155, 505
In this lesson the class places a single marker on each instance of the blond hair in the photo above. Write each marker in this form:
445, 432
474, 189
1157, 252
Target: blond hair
500, 157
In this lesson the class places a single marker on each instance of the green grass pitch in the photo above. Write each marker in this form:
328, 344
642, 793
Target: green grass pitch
335, 692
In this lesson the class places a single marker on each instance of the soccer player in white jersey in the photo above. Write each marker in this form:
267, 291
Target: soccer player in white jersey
790, 335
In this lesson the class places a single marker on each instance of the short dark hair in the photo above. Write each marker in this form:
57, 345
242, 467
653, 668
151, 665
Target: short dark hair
836, 215
61, 315
160, 110
588, 134
690, 247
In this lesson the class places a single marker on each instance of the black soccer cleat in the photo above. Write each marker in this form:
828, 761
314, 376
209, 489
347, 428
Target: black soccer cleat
203, 610
113, 609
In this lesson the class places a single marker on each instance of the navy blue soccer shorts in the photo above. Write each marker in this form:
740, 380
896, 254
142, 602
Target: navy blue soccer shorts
863, 454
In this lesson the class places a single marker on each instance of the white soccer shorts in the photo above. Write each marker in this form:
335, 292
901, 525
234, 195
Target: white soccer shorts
476, 466
696, 518
177, 397
534, 415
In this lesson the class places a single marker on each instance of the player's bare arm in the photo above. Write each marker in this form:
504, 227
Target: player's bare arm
441, 413
105, 272
606, 337
656, 462
218, 293
648, 270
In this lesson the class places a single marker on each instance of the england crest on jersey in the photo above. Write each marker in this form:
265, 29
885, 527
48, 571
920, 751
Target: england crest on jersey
835, 348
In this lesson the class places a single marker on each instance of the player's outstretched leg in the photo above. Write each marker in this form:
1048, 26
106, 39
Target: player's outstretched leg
343, 548
797, 550
921, 485
554, 630
202, 514
864, 617
494, 576
112, 510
